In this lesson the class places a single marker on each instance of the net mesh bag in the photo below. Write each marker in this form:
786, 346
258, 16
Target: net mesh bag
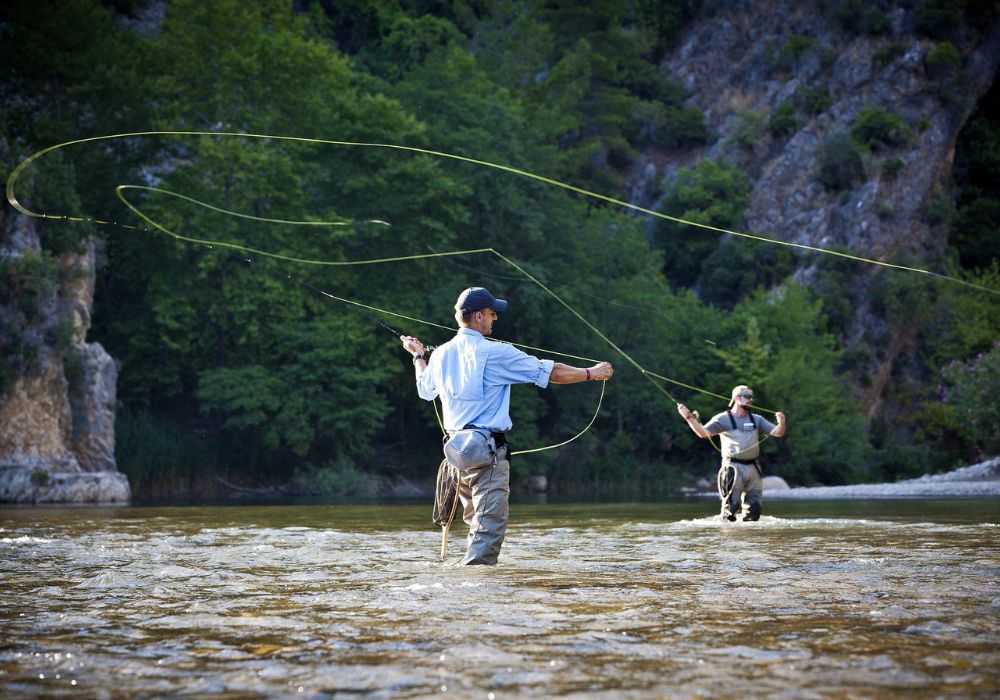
445, 495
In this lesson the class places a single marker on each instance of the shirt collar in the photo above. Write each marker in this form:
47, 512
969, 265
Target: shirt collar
469, 331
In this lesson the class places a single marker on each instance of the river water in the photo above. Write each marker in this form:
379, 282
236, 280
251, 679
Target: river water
857, 599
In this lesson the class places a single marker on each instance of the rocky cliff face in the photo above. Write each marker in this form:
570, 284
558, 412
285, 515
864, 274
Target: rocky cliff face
744, 62
56, 434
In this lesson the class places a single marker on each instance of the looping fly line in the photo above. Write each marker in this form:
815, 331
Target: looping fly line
651, 376
506, 168
246, 249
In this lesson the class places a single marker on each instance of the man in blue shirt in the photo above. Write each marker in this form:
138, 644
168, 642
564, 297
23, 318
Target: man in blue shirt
472, 376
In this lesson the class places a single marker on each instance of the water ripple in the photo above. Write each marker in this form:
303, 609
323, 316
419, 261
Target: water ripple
631, 601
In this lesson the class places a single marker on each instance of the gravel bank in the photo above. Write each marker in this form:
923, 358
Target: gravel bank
978, 481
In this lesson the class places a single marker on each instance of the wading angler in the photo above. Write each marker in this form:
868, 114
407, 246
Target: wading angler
740, 479
472, 376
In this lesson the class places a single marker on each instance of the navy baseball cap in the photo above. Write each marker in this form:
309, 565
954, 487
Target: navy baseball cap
477, 299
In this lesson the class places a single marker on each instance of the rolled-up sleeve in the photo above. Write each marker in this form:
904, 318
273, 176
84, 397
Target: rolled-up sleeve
426, 387
508, 365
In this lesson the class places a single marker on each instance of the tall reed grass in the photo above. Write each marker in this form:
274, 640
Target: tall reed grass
163, 459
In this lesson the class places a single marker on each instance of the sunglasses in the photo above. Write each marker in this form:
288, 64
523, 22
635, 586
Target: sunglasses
747, 396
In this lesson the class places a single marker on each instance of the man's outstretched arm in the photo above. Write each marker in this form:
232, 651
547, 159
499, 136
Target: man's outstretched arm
564, 374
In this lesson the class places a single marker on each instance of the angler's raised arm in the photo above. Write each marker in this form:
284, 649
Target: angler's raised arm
692, 420
780, 430
417, 350
425, 384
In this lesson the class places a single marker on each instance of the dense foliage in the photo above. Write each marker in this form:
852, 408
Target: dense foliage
972, 389
228, 366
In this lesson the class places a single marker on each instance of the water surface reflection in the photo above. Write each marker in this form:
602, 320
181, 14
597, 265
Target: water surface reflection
878, 598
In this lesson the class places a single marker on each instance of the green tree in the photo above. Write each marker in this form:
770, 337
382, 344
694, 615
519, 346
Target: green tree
965, 321
314, 394
973, 388
877, 128
406, 44
712, 193
70, 70
975, 230
783, 120
591, 90
750, 358
738, 266
780, 338
199, 329
840, 163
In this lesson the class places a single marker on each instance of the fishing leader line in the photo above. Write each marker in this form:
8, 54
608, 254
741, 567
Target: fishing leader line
356, 306
506, 168
120, 193
363, 310
611, 303
120, 190
212, 244
516, 171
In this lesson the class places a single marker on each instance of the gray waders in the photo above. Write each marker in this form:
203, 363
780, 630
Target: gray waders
740, 488
484, 492
485, 496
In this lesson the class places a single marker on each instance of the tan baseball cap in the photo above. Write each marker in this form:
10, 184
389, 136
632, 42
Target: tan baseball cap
737, 390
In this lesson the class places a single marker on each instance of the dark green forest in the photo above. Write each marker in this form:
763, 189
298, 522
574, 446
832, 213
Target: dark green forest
245, 371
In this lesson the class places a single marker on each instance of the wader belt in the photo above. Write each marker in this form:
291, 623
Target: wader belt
742, 461
499, 438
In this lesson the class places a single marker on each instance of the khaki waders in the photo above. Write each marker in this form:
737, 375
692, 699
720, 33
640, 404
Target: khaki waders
744, 489
485, 496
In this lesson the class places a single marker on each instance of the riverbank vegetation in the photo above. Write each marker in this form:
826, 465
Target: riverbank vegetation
229, 369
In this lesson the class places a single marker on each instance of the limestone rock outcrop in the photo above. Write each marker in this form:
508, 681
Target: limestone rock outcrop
742, 62
57, 400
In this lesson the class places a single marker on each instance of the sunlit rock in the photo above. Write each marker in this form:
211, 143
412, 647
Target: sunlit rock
57, 411
774, 483
537, 483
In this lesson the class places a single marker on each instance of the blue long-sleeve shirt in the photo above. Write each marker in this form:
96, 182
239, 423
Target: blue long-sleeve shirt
473, 376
